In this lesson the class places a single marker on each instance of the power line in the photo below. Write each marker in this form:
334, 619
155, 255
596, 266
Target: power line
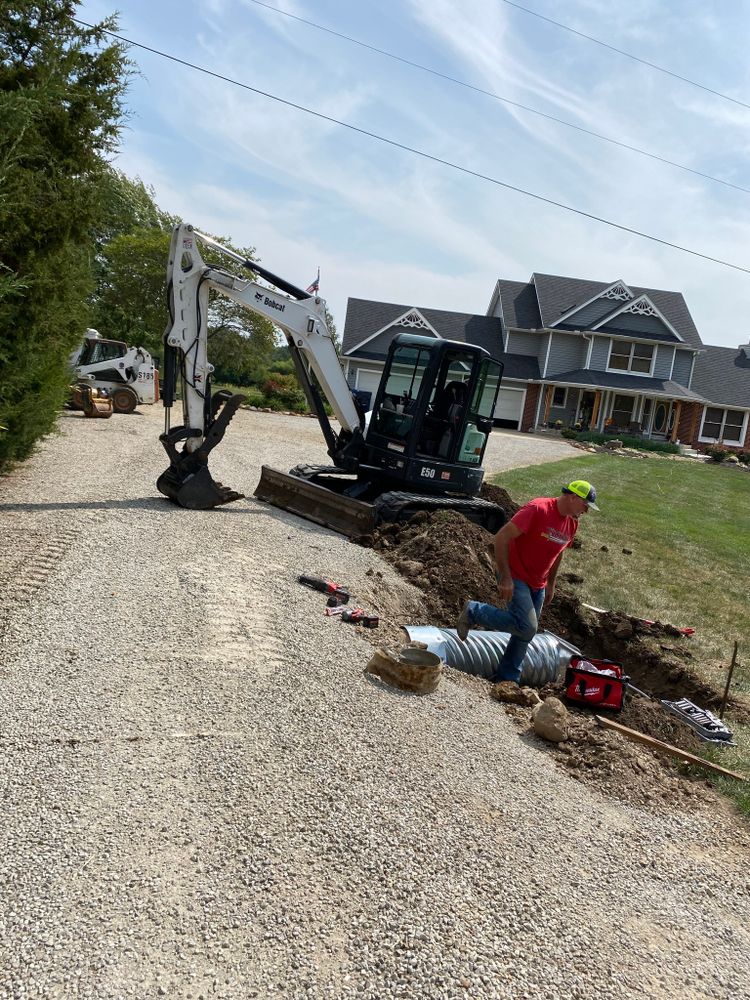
419, 152
622, 52
497, 97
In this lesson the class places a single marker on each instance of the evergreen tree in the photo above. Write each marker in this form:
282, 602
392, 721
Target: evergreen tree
61, 94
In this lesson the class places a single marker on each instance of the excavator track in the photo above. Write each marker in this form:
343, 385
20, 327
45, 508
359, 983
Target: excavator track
299, 495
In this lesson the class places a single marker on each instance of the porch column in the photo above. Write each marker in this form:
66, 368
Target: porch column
595, 410
548, 402
675, 426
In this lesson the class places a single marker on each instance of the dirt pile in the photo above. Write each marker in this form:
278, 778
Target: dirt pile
451, 560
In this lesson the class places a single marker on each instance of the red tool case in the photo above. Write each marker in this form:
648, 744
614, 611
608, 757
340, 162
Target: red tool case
584, 686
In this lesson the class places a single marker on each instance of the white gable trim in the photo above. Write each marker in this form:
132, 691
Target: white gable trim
412, 317
642, 306
618, 291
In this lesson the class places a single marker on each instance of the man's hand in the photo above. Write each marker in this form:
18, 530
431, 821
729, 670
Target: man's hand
549, 593
505, 586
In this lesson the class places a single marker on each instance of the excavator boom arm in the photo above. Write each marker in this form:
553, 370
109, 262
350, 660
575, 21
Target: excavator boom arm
302, 319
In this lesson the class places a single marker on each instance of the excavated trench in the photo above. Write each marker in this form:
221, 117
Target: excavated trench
450, 560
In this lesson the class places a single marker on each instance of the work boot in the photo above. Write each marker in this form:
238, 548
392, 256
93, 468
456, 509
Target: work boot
463, 624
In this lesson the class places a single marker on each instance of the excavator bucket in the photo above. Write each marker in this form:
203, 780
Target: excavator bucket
187, 481
195, 491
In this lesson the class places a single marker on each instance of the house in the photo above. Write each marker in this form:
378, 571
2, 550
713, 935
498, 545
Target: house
608, 356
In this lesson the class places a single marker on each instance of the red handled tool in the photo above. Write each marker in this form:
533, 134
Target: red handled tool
357, 616
325, 587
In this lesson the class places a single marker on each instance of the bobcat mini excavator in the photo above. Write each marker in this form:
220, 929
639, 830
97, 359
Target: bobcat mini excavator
420, 448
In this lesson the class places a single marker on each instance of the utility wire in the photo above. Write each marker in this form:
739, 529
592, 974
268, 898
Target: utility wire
622, 52
419, 152
497, 97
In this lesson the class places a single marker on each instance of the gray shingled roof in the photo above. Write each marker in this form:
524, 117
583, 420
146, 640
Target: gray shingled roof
631, 383
541, 301
722, 375
365, 317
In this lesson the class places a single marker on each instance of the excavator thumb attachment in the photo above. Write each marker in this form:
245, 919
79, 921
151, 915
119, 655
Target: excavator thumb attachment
187, 481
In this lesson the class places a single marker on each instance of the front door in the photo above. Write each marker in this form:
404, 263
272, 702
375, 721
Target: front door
662, 416
586, 409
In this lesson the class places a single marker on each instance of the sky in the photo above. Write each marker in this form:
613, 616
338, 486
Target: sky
386, 224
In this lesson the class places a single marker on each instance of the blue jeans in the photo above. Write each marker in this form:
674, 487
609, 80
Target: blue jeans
520, 618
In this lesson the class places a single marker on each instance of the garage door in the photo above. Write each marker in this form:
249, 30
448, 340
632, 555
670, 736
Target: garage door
509, 407
368, 381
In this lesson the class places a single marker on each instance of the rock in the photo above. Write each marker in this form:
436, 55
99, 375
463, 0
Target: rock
627, 552
510, 693
613, 445
604, 548
550, 720
410, 567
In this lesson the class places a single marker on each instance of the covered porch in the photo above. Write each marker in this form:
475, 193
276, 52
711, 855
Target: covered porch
651, 412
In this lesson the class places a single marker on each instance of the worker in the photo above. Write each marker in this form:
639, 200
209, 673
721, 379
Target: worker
528, 553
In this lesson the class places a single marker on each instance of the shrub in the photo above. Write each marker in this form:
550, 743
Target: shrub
283, 393
744, 457
628, 441
717, 452
568, 432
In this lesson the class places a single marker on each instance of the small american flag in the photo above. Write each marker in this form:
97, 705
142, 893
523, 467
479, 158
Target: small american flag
315, 286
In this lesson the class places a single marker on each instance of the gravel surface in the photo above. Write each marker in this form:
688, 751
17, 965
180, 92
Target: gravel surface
204, 796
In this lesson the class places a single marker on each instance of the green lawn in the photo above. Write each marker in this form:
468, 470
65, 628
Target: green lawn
688, 526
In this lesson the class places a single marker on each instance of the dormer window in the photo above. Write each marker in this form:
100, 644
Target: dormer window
627, 356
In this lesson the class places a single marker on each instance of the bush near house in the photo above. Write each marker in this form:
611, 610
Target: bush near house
717, 452
628, 441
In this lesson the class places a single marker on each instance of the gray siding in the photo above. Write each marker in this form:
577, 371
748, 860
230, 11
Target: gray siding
566, 354
532, 344
663, 362
682, 365
644, 325
600, 354
566, 413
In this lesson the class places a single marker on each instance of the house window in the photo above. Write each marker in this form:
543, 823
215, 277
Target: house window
626, 356
559, 395
622, 410
723, 425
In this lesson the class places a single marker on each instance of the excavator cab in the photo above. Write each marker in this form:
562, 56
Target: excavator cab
432, 414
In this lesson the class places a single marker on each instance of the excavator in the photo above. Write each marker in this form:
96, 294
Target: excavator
419, 448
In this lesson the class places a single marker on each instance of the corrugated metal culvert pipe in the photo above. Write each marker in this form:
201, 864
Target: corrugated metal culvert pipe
546, 658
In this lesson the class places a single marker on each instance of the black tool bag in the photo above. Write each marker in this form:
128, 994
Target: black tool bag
586, 686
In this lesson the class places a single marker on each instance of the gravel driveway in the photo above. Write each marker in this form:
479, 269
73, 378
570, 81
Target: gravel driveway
203, 795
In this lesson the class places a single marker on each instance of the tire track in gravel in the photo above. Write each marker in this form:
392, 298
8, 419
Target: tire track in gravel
239, 614
28, 558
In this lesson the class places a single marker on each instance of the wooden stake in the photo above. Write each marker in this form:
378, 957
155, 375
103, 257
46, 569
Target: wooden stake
729, 681
649, 741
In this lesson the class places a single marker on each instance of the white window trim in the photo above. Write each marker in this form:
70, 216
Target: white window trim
559, 406
627, 371
713, 440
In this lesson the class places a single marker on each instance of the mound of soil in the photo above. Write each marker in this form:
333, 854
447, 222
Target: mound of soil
451, 560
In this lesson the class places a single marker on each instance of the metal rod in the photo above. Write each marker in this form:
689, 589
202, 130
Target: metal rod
729, 680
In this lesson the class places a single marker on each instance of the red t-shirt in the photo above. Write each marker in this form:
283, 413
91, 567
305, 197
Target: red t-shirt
545, 534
